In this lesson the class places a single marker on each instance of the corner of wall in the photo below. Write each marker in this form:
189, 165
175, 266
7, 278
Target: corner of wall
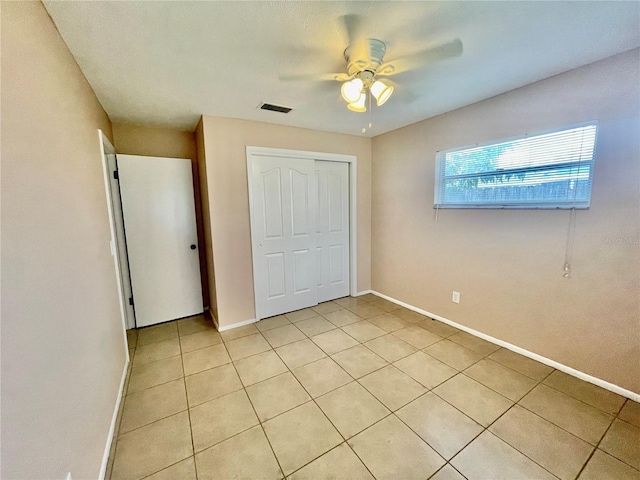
206, 215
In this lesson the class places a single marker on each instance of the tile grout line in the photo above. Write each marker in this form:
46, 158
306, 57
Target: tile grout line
345, 440
167, 467
488, 357
325, 415
516, 449
602, 438
155, 361
155, 421
169, 381
126, 394
442, 467
553, 369
176, 413
595, 449
325, 453
264, 432
534, 413
441, 361
475, 421
560, 427
486, 429
313, 399
357, 380
231, 361
483, 357
580, 400
330, 356
184, 382
507, 367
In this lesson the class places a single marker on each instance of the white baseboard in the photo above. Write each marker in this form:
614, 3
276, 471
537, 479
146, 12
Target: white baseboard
114, 418
547, 361
234, 325
364, 292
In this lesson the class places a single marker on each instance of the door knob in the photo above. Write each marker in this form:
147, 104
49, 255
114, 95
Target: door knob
193, 247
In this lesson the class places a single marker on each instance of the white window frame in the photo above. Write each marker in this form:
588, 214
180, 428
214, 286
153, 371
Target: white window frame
439, 185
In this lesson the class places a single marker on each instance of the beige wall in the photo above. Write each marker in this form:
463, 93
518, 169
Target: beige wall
166, 142
225, 142
507, 264
206, 218
153, 141
63, 350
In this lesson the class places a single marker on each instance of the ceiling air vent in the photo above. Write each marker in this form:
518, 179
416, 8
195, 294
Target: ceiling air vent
274, 108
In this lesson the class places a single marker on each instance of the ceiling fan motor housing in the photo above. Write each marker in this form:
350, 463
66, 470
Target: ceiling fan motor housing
367, 77
364, 59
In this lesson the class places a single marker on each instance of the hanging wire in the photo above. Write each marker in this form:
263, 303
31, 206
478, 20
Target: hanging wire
571, 228
571, 233
370, 111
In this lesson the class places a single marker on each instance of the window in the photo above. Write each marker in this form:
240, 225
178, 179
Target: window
546, 170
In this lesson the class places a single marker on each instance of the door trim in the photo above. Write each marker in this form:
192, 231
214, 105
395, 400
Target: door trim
106, 148
352, 160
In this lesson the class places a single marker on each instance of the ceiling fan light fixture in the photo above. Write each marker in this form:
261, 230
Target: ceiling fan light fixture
352, 90
359, 104
381, 91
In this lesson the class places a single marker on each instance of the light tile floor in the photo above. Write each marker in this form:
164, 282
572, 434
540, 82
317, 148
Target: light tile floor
359, 388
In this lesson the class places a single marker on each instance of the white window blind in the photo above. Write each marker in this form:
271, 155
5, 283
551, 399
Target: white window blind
547, 170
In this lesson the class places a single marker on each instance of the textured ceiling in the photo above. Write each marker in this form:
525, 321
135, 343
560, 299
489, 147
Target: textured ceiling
166, 63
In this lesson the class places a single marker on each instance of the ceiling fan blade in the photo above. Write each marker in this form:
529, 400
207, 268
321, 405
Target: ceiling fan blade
417, 60
352, 26
359, 52
401, 93
342, 77
391, 83
315, 77
357, 44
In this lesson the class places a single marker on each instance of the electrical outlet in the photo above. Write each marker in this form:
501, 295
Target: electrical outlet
455, 298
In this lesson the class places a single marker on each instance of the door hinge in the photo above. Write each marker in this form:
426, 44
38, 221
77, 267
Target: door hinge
115, 175
131, 301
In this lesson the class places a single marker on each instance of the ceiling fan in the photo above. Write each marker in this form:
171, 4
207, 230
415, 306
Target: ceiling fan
365, 64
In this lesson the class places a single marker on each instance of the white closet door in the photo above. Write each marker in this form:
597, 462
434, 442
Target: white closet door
283, 234
332, 230
160, 229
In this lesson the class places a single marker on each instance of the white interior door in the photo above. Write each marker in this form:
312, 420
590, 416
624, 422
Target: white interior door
283, 233
332, 230
160, 230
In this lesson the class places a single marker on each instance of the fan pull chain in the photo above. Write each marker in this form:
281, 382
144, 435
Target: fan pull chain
364, 130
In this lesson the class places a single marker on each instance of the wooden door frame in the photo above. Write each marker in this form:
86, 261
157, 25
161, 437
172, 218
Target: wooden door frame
352, 161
